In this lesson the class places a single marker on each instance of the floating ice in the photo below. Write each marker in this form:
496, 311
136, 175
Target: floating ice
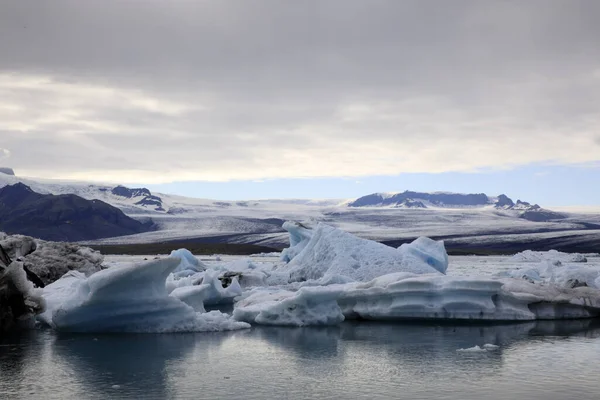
211, 291
474, 349
129, 299
327, 251
552, 255
307, 306
189, 263
403, 296
559, 274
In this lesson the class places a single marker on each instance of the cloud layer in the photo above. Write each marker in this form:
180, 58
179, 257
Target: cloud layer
155, 91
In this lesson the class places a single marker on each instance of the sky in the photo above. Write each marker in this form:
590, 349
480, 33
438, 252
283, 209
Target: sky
312, 99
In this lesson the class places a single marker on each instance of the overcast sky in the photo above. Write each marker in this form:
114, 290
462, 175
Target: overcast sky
153, 92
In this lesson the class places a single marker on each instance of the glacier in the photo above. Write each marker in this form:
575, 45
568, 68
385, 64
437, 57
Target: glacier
130, 298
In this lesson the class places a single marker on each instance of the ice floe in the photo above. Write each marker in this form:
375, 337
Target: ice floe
554, 272
128, 299
406, 296
551, 255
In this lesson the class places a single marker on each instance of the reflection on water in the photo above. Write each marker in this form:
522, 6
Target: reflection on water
541, 360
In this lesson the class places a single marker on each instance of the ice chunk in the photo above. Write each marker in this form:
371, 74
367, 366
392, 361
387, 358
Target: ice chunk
474, 349
537, 256
213, 292
402, 296
56, 293
559, 274
300, 235
327, 251
189, 262
427, 251
308, 306
173, 282
489, 346
133, 299
193, 296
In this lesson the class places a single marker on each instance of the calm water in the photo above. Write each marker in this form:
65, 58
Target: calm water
354, 360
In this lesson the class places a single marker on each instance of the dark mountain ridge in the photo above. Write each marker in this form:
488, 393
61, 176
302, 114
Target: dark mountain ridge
65, 217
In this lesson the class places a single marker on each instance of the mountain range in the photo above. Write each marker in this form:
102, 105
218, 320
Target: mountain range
65, 217
465, 221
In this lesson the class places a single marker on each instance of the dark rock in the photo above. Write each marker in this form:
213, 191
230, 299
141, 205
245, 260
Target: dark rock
504, 202
575, 283
130, 193
228, 276
18, 302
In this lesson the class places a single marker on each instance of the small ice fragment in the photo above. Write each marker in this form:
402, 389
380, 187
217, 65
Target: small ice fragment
474, 349
116, 386
489, 346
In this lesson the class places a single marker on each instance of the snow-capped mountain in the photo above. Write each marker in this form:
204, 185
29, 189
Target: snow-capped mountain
463, 220
410, 199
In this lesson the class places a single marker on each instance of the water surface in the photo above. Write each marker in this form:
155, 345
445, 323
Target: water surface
543, 360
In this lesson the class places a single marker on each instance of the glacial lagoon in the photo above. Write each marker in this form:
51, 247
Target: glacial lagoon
354, 360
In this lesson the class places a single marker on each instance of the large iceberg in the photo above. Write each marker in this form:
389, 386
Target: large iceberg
326, 251
131, 298
406, 296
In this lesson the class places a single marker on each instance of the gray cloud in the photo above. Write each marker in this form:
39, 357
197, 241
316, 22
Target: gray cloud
158, 91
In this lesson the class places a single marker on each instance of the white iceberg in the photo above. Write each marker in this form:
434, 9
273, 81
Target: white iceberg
211, 291
307, 306
551, 255
132, 298
406, 296
326, 251
189, 264
474, 349
559, 274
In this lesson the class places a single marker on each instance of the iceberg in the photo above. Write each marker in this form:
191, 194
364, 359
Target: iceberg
326, 251
189, 264
407, 296
556, 273
551, 255
131, 298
